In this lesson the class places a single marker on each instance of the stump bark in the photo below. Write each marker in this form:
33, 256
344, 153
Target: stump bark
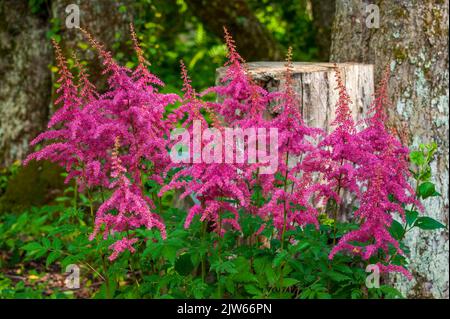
315, 85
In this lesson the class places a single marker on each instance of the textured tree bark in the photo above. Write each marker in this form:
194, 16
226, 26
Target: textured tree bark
413, 39
323, 13
315, 85
103, 19
25, 89
252, 38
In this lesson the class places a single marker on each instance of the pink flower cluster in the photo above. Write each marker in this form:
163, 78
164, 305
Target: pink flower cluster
112, 139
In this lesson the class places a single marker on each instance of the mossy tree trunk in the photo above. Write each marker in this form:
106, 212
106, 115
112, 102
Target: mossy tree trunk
413, 39
107, 21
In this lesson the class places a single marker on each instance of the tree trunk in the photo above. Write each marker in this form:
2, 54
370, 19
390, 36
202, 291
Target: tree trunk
252, 38
315, 85
105, 21
323, 16
25, 89
413, 39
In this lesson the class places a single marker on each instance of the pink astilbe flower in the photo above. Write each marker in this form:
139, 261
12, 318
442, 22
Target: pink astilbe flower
374, 212
120, 246
131, 110
383, 171
238, 92
191, 105
135, 113
387, 149
71, 143
290, 199
131, 206
339, 152
213, 184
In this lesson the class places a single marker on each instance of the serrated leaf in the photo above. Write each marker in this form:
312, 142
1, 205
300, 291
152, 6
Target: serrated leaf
46, 242
32, 246
288, 282
279, 258
52, 257
252, 290
336, 276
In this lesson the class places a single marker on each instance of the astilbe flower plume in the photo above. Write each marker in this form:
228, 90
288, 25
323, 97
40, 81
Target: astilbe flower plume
290, 199
132, 209
239, 95
71, 128
131, 111
210, 183
383, 172
339, 152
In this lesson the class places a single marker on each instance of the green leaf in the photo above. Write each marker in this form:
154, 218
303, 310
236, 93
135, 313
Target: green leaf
427, 189
397, 230
46, 242
52, 257
271, 275
252, 290
417, 158
336, 276
228, 267
288, 282
279, 258
391, 292
183, 265
356, 294
411, 216
170, 253
32, 246
428, 223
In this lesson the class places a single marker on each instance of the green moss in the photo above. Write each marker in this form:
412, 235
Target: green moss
401, 13
400, 54
36, 184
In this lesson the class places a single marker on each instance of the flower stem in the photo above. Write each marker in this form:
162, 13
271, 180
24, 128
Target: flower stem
285, 201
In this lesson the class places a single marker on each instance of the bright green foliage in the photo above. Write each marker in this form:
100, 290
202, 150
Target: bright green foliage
191, 263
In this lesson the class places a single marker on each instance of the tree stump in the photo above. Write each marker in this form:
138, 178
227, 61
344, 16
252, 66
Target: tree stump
315, 85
